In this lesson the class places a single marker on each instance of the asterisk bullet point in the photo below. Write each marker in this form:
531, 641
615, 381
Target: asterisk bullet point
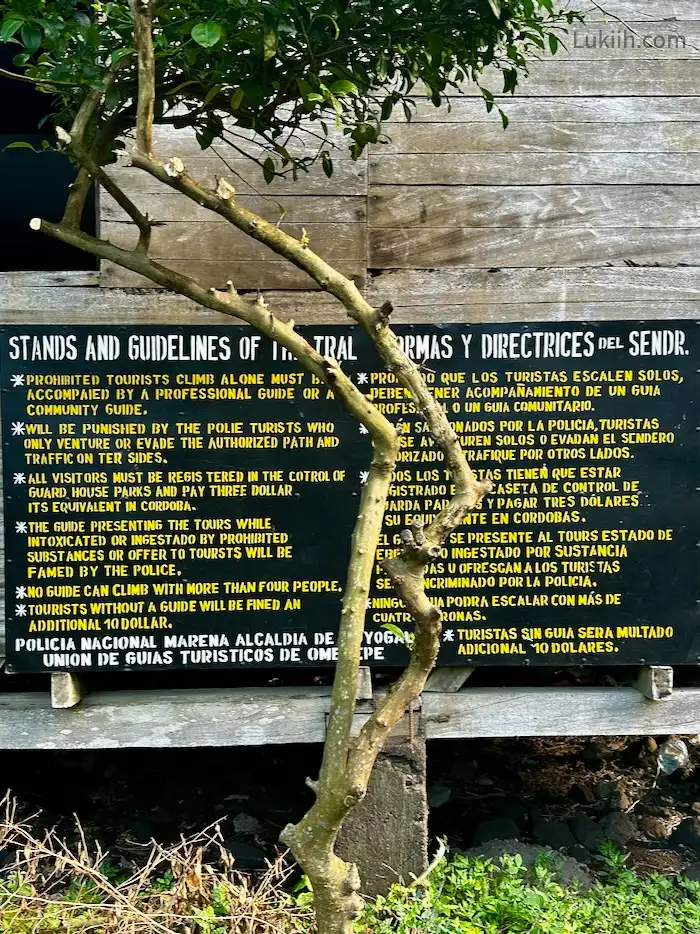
18, 428
362, 378
21, 527
364, 476
20, 593
17, 379
363, 430
19, 478
20, 610
448, 635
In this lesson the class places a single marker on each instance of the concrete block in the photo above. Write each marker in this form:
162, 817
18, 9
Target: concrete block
386, 835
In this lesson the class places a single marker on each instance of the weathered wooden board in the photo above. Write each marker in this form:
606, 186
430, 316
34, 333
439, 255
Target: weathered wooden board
148, 306
116, 306
617, 109
569, 137
161, 204
71, 279
257, 716
637, 10
245, 717
169, 141
539, 311
651, 39
487, 712
276, 274
218, 242
426, 287
521, 168
531, 205
485, 247
349, 178
603, 77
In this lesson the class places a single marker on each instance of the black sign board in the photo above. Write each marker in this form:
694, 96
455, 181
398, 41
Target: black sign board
184, 497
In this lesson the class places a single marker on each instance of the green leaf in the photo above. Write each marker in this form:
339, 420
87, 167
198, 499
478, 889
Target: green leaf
496, 8
205, 137
387, 107
237, 98
269, 44
10, 25
211, 94
112, 97
207, 34
118, 54
268, 170
345, 87
81, 18
553, 43
31, 36
405, 637
327, 163
20, 144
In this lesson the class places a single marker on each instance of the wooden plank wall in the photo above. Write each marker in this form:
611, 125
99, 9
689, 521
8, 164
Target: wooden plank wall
591, 198
192, 240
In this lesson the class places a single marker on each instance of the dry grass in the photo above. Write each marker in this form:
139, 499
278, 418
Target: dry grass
189, 888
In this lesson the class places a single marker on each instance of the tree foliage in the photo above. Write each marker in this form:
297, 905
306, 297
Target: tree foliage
266, 66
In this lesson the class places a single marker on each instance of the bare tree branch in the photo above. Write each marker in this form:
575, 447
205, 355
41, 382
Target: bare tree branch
345, 769
37, 82
256, 313
142, 12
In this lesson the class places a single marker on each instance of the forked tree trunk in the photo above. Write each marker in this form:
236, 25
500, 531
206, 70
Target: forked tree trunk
347, 760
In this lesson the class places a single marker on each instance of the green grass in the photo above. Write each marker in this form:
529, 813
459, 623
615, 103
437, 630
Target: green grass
475, 897
460, 897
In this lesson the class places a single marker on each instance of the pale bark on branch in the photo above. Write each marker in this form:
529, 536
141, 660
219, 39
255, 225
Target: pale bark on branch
347, 761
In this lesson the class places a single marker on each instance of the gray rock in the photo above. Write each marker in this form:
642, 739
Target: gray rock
554, 833
504, 829
692, 872
605, 790
513, 810
566, 870
655, 827
587, 832
438, 795
246, 824
687, 833
618, 827
579, 853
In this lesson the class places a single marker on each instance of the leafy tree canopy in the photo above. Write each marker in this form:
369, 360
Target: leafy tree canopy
269, 65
